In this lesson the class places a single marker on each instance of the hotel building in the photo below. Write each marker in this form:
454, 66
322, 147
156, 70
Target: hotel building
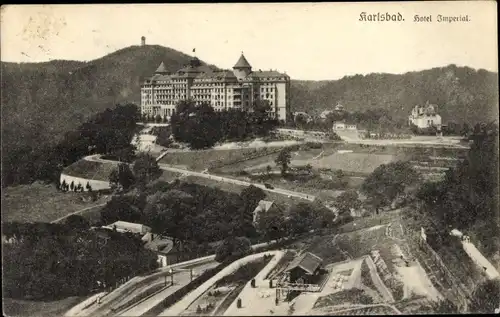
222, 89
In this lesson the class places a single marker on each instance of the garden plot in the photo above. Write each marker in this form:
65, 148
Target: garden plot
351, 162
211, 301
387, 278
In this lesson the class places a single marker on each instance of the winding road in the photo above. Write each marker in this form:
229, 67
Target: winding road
288, 193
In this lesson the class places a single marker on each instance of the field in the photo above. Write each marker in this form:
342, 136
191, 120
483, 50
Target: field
89, 169
40, 203
200, 160
15, 307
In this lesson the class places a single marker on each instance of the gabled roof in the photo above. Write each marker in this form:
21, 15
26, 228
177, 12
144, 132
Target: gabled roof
161, 244
161, 69
263, 205
307, 261
242, 63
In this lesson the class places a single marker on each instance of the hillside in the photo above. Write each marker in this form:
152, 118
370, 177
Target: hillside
462, 94
44, 100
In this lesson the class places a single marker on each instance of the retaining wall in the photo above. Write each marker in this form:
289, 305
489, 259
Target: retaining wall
95, 184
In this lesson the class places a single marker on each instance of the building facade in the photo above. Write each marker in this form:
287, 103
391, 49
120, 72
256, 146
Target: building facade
222, 89
425, 117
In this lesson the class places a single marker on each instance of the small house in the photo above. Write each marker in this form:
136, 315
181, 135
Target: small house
264, 206
163, 247
304, 268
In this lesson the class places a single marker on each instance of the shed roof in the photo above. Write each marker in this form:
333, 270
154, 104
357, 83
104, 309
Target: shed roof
306, 261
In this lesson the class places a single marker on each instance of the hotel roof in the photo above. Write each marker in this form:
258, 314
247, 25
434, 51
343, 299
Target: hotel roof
161, 68
242, 63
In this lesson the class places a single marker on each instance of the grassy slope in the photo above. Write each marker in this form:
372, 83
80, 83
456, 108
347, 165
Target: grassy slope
39, 202
14, 307
88, 169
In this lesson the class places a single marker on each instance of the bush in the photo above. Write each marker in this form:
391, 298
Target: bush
233, 247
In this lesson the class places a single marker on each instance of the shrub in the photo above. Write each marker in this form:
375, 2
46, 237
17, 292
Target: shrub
238, 247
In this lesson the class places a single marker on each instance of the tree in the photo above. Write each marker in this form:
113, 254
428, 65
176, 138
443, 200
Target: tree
283, 160
163, 137
88, 187
304, 217
467, 198
233, 247
346, 201
486, 297
465, 130
172, 213
146, 168
389, 181
77, 222
123, 207
72, 185
158, 118
271, 225
268, 170
64, 185
197, 125
122, 176
251, 196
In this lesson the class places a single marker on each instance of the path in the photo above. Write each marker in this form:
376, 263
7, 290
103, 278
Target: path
184, 303
180, 280
259, 301
133, 287
78, 212
480, 260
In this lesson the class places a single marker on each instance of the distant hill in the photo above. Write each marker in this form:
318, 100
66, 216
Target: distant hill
42, 101
462, 94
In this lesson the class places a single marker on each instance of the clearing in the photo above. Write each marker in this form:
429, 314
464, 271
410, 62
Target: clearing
39, 202
18, 307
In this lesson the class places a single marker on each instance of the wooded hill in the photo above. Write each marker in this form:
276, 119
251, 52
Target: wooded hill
42, 101
462, 94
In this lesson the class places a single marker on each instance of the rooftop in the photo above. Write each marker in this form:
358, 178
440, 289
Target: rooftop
161, 69
242, 63
129, 226
307, 261
264, 205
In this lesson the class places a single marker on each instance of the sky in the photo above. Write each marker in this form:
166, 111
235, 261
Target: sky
309, 41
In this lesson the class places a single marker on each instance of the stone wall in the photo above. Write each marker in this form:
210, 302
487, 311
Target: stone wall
95, 184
